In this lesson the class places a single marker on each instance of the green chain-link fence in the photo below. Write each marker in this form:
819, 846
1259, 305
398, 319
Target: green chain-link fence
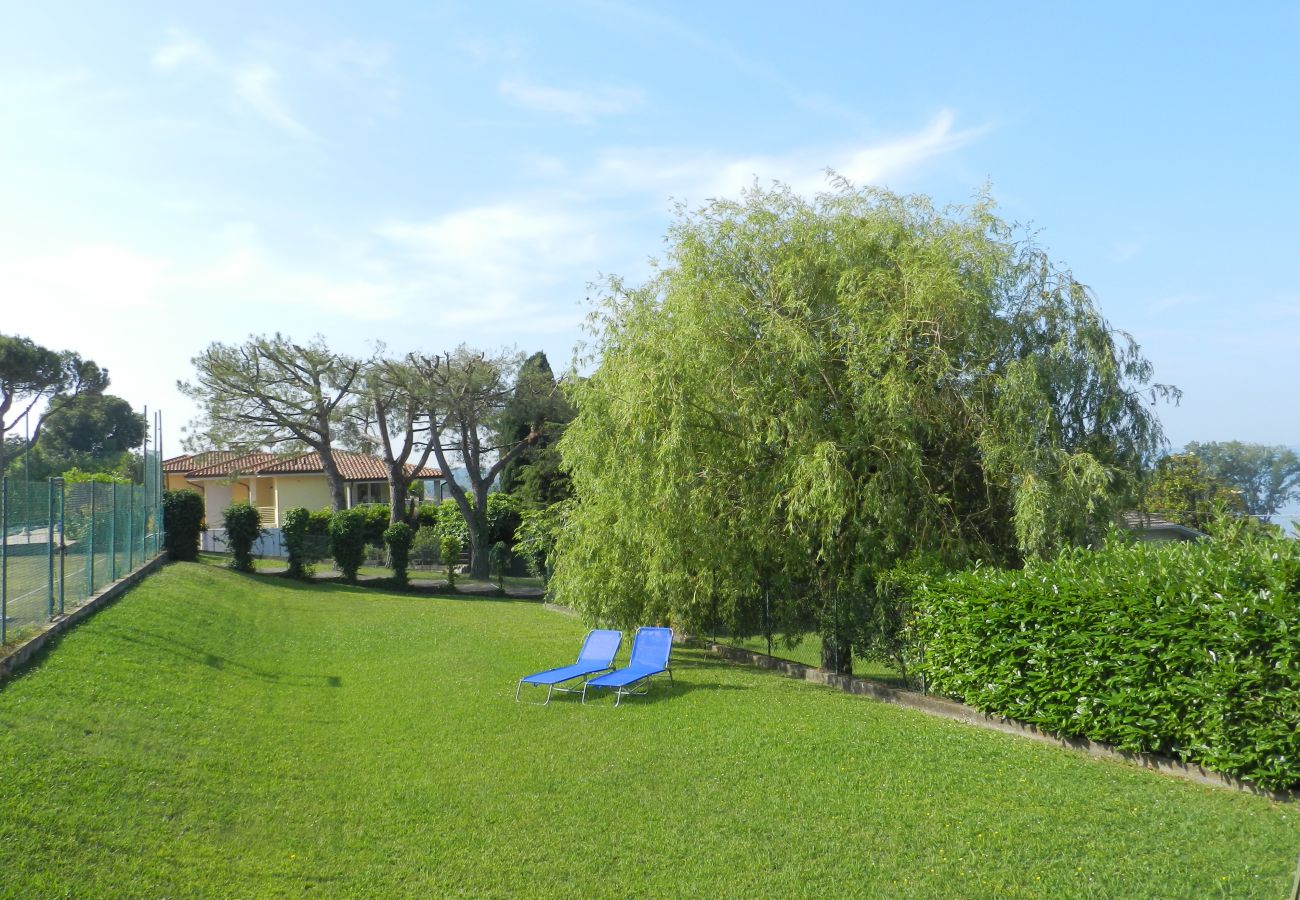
61, 543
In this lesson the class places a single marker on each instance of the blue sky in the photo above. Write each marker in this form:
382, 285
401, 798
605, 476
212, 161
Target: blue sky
437, 173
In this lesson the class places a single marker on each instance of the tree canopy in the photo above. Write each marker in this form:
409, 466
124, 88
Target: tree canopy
466, 392
809, 392
1180, 489
32, 375
271, 391
1267, 477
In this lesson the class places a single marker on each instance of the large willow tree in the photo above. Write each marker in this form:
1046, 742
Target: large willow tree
808, 393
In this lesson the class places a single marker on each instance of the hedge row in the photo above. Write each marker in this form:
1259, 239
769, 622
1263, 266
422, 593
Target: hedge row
1187, 650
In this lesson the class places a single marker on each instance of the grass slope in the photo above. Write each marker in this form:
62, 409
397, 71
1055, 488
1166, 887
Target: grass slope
226, 735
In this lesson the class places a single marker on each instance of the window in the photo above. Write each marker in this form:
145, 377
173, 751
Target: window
365, 493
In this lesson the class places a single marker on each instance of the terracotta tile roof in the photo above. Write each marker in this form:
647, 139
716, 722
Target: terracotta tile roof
191, 461
352, 466
235, 464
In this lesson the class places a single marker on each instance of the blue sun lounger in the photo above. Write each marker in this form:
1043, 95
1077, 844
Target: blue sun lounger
596, 655
650, 651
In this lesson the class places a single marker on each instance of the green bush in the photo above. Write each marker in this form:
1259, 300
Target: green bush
398, 538
243, 527
498, 561
376, 517
1187, 650
183, 521
537, 532
294, 527
348, 541
449, 547
424, 548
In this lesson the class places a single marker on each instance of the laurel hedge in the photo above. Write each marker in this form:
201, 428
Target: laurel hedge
1187, 650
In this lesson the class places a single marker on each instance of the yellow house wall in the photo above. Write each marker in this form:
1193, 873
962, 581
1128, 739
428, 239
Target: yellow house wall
310, 491
175, 481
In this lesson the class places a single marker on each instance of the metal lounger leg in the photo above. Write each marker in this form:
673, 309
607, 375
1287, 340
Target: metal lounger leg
519, 686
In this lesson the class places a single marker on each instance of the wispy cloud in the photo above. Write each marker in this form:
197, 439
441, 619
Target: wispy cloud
579, 105
695, 176
252, 84
501, 263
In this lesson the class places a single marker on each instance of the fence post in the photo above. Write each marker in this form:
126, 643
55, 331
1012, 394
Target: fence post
4, 559
130, 529
90, 551
63, 543
49, 550
112, 537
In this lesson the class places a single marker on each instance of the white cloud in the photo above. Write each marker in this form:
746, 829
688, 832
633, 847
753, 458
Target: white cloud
182, 49
582, 106
255, 85
696, 176
252, 84
501, 263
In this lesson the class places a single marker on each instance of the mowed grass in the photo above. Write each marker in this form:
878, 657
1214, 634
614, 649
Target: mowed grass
215, 734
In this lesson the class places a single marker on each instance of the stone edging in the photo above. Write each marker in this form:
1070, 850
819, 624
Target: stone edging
11, 663
949, 709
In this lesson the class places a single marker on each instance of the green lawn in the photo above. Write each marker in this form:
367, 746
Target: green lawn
228, 735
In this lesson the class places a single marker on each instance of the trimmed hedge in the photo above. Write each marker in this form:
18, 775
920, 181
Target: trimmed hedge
182, 522
243, 527
398, 538
1187, 650
348, 541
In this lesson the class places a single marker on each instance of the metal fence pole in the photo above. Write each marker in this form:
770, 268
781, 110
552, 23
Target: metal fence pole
90, 551
130, 531
4, 559
49, 550
63, 543
112, 537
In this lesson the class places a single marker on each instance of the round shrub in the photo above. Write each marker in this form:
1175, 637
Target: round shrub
294, 526
183, 520
398, 537
449, 547
243, 527
348, 541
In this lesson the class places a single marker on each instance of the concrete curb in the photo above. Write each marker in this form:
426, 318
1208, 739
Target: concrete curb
949, 709
15, 660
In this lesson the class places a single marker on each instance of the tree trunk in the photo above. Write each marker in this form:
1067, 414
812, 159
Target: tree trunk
398, 488
837, 655
338, 495
478, 533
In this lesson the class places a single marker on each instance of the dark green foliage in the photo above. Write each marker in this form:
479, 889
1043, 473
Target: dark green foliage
502, 518
348, 541
377, 517
183, 520
294, 527
449, 548
1188, 650
243, 527
537, 532
398, 538
538, 405
424, 548
498, 562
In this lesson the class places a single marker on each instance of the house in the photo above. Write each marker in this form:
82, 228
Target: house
1146, 527
276, 482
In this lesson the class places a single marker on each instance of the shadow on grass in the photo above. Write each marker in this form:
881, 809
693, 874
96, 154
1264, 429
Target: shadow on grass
157, 645
379, 584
